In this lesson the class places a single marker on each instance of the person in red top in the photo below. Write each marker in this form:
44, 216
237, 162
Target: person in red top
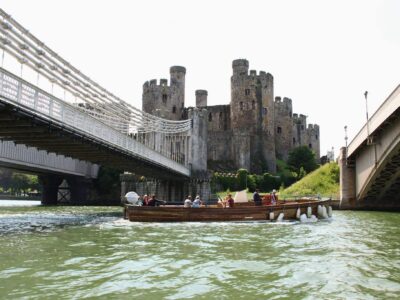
230, 201
146, 200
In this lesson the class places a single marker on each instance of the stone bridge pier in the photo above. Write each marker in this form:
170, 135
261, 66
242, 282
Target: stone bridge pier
64, 190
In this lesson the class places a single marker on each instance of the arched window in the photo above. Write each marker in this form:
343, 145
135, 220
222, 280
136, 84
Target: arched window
174, 109
241, 105
253, 104
279, 130
209, 117
294, 140
247, 92
164, 98
309, 146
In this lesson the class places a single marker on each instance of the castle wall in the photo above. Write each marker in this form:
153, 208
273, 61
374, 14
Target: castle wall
304, 135
283, 127
266, 82
299, 130
219, 133
313, 139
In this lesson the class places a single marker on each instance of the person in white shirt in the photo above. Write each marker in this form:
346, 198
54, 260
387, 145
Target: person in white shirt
197, 202
188, 202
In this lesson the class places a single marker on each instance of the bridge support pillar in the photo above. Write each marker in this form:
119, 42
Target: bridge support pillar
79, 187
347, 182
50, 184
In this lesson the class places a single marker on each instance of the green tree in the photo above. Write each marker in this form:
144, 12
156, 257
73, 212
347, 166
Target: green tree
19, 183
107, 180
5, 179
302, 161
242, 178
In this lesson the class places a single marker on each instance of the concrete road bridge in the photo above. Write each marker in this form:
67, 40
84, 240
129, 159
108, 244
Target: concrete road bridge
370, 166
89, 127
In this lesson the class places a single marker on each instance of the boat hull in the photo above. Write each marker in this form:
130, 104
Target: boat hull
214, 214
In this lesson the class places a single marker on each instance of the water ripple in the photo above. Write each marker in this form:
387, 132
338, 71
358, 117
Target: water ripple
73, 254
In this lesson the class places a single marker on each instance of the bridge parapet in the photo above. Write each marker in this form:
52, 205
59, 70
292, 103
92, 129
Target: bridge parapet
385, 110
370, 170
20, 93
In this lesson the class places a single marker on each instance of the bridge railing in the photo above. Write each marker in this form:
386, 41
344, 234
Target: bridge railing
387, 108
21, 93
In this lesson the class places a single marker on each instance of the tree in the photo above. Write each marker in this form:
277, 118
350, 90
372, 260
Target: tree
302, 160
242, 178
107, 180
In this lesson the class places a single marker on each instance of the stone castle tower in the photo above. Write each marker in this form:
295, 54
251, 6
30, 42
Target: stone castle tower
163, 100
252, 117
251, 132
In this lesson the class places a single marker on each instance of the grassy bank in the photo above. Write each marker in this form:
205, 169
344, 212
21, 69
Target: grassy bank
323, 181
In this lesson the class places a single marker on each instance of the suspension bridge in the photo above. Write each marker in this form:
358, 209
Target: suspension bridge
87, 125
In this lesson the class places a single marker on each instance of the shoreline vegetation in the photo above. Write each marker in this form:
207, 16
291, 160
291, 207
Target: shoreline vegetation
323, 182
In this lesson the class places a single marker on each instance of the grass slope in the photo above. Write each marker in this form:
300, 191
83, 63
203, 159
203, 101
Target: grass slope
323, 181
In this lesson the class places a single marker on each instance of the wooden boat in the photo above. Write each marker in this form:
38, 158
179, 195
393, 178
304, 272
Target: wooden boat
213, 213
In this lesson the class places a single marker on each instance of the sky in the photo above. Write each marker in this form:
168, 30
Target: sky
323, 54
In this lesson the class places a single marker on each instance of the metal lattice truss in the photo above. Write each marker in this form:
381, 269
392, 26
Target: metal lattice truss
94, 99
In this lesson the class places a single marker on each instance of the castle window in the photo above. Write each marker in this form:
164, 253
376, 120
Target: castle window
164, 98
316, 136
209, 117
279, 130
294, 140
241, 105
302, 127
265, 111
309, 146
174, 109
247, 92
253, 104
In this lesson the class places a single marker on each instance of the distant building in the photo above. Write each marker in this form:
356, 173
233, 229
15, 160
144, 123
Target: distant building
251, 132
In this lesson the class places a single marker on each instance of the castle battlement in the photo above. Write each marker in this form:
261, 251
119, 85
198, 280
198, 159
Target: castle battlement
314, 127
170, 99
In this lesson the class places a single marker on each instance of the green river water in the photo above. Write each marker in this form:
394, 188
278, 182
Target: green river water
90, 252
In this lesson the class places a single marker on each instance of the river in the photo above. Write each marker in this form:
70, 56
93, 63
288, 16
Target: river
90, 252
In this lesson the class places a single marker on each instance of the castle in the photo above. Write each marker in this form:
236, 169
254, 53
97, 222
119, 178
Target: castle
251, 132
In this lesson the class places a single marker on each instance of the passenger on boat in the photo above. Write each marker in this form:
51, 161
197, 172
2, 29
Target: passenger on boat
188, 202
145, 200
230, 201
196, 202
273, 197
155, 202
257, 198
